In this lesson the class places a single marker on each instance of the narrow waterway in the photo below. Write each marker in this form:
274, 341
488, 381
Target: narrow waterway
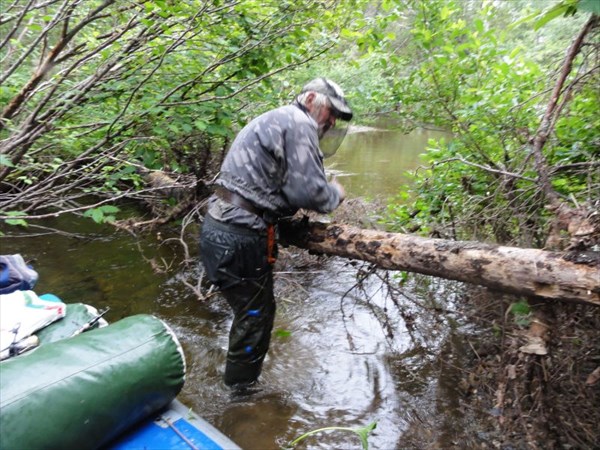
340, 355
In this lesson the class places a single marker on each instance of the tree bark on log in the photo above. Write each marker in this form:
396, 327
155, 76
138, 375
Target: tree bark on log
570, 276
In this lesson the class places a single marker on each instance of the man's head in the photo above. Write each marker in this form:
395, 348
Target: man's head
334, 94
325, 102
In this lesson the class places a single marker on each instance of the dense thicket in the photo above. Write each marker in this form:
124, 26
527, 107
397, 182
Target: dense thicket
97, 93
523, 163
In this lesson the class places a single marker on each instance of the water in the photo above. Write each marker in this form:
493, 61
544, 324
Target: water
340, 356
375, 162
313, 377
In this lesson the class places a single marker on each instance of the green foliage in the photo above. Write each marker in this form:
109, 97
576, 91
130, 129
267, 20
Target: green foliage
520, 308
6, 161
521, 312
282, 334
473, 80
362, 432
136, 80
563, 8
14, 218
155, 85
102, 214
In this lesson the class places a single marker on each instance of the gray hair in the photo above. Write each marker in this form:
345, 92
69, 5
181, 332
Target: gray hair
319, 99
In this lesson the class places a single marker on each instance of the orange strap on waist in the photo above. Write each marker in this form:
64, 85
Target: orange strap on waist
271, 243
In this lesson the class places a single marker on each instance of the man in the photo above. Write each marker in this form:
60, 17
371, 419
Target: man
273, 168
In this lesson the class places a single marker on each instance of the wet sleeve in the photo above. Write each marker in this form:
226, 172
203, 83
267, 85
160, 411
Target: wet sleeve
306, 185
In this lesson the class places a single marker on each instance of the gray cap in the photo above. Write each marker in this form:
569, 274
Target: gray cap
334, 93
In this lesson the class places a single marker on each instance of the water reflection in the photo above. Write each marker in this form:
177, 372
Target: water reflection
311, 376
375, 162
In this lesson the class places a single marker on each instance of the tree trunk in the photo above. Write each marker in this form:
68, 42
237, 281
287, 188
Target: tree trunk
570, 276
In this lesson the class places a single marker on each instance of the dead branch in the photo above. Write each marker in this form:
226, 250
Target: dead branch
531, 272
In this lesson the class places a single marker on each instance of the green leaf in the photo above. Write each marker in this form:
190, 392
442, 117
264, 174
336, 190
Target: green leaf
479, 25
16, 221
97, 215
349, 34
445, 13
552, 13
525, 19
521, 308
20, 222
364, 432
109, 209
102, 213
6, 161
201, 125
515, 52
282, 333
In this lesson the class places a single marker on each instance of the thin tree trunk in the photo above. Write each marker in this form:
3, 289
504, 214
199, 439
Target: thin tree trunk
570, 276
552, 110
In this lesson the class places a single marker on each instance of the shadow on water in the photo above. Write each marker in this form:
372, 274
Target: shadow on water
339, 356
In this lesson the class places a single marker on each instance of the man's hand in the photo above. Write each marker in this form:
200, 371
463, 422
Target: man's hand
340, 189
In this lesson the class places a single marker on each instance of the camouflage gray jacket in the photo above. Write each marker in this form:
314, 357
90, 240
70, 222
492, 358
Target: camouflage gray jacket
276, 164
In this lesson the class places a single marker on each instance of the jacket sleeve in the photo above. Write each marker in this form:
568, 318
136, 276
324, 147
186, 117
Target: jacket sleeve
305, 184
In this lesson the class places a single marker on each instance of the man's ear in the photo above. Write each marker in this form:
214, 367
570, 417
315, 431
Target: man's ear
310, 98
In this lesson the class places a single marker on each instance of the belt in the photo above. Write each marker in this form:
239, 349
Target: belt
238, 200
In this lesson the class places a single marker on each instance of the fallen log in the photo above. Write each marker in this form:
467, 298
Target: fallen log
570, 276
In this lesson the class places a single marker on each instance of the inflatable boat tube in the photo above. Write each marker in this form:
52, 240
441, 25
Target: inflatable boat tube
83, 391
77, 315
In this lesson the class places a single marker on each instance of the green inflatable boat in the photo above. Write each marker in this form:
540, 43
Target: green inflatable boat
113, 386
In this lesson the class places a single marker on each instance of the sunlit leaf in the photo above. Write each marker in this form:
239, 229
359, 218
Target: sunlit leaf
19, 222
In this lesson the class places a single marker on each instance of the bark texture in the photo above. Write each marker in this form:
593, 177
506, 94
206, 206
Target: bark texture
570, 276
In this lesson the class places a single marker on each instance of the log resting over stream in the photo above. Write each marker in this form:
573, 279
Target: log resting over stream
570, 276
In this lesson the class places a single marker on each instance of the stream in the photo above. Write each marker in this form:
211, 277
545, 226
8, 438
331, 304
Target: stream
340, 356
